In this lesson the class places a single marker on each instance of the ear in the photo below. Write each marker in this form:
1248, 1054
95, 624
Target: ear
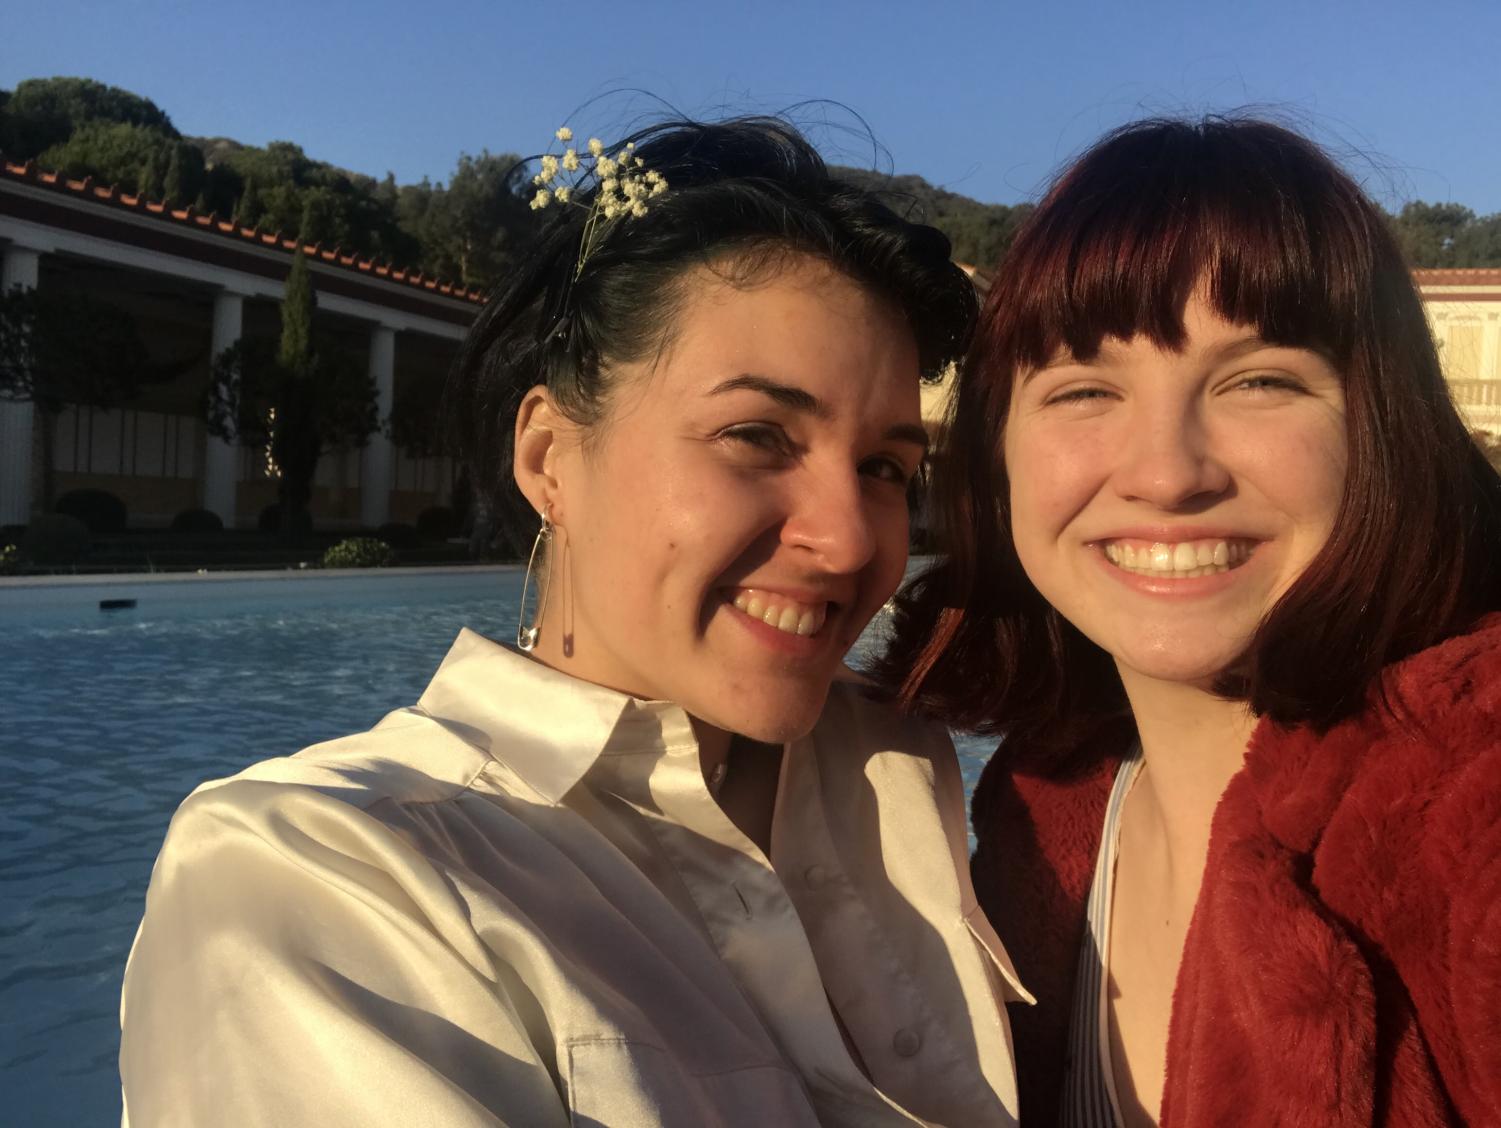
539, 431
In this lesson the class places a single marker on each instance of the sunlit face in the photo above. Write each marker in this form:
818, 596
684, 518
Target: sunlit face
741, 513
1163, 501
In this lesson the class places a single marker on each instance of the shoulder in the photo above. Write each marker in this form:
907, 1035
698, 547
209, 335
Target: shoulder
859, 717
370, 795
406, 758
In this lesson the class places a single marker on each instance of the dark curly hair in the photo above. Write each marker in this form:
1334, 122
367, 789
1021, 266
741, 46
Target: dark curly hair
743, 196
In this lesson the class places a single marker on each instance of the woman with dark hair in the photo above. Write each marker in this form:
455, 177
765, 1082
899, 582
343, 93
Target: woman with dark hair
1223, 568
661, 863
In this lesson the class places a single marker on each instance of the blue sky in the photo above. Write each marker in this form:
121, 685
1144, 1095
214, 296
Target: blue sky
984, 98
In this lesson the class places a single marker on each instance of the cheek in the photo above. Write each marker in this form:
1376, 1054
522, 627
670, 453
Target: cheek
1051, 477
1303, 470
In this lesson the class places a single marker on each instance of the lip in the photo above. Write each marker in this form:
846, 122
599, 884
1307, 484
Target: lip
791, 645
1175, 534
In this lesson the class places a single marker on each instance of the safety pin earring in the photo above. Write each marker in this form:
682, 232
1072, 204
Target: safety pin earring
526, 636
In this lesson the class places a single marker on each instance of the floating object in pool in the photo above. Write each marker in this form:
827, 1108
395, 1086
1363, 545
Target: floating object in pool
116, 604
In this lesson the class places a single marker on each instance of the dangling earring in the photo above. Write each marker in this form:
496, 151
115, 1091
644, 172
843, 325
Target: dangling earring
526, 636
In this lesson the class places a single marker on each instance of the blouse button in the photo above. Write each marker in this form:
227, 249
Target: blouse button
907, 1042
815, 876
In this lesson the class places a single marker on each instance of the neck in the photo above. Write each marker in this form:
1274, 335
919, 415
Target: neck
1192, 743
713, 748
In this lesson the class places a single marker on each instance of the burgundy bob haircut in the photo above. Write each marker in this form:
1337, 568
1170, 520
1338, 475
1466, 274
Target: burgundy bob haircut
1286, 243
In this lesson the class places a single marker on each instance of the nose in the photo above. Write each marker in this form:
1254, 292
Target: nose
1168, 460
830, 517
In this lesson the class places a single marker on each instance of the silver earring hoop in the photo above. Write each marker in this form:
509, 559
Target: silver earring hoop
526, 636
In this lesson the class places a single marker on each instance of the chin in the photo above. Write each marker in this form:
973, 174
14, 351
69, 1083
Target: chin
774, 720
1183, 669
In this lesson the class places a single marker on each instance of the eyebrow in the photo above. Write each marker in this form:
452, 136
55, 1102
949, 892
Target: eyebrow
785, 394
799, 399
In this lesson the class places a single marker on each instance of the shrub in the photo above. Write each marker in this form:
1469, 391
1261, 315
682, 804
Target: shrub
197, 521
269, 521
10, 559
56, 538
100, 510
437, 523
398, 535
359, 552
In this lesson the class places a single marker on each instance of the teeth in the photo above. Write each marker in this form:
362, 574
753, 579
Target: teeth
1181, 561
782, 613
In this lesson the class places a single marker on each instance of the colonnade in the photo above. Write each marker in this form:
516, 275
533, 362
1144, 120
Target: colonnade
20, 267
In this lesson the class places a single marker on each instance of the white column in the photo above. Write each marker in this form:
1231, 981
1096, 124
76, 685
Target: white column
20, 268
375, 460
221, 457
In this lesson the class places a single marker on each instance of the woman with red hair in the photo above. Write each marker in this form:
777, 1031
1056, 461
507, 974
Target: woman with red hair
1223, 569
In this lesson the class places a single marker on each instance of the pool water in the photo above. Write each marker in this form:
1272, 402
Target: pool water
113, 717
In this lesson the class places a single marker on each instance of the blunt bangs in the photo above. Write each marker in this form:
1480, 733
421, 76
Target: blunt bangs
1245, 209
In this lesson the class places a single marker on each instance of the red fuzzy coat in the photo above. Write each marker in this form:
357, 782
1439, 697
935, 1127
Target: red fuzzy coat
1343, 964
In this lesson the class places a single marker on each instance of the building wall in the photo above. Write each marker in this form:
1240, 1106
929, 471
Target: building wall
1467, 330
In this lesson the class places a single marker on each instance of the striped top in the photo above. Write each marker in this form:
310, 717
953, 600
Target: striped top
1089, 1099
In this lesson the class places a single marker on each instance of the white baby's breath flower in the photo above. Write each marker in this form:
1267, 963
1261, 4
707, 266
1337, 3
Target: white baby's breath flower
596, 147
549, 167
633, 189
611, 209
571, 161
541, 199
564, 135
658, 187
604, 166
608, 184
563, 194
638, 209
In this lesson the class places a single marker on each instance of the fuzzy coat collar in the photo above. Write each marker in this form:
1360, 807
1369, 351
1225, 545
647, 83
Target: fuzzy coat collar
1343, 964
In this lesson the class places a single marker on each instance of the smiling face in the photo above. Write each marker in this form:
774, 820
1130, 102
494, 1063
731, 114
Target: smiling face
733, 523
1163, 501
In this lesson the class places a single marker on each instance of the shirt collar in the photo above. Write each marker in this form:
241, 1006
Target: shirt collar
546, 726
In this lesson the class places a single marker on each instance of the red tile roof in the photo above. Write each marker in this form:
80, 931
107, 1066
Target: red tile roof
1458, 276
86, 189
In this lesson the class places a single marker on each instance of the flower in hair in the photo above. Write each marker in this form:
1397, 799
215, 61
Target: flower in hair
624, 186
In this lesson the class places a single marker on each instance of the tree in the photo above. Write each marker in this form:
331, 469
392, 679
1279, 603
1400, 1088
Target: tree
43, 112
248, 210
297, 402
110, 152
58, 349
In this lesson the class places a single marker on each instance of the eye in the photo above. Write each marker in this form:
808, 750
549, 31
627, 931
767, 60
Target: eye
887, 468
1077, 395
764, 437
1263, 383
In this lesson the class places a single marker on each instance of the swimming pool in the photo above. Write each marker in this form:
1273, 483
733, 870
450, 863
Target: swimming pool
112, 717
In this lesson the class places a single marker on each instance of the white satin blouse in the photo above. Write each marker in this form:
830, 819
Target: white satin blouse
516, 902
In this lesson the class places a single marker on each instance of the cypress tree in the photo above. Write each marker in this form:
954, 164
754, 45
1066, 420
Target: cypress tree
150, 184
297, 303
174, 187
249, 210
